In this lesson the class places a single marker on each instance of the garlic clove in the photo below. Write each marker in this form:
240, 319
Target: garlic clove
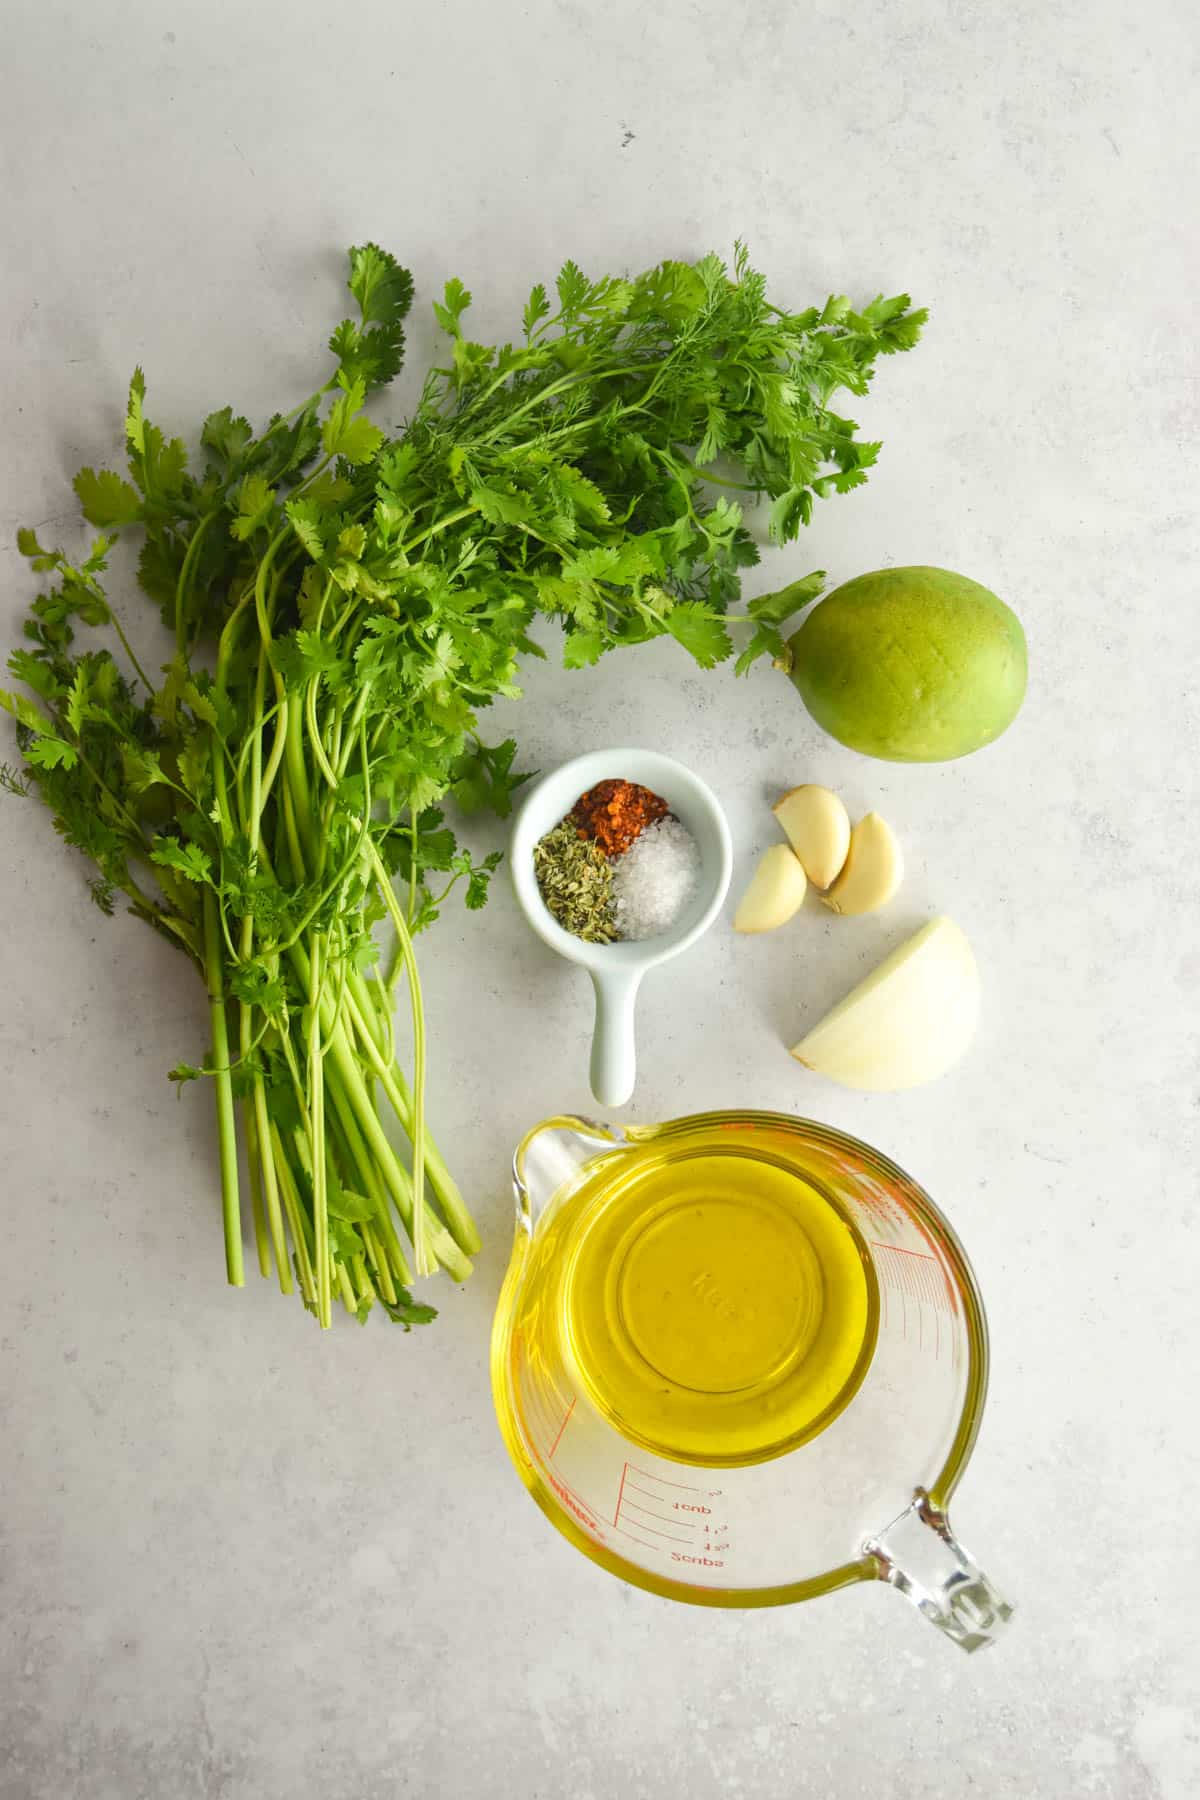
775, 893
872, 871
908, 1022
818, 829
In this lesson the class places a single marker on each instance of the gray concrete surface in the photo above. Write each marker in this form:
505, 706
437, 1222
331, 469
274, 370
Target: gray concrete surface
245, 1562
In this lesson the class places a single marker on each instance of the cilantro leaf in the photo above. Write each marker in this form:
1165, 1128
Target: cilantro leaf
159, 566
185, 1072
135, 423
24, 711
188, 860
200, 703
766, 641
572, 285
352, 1208
303, 655
479, 879
382, 288
253, 983
406, 1311
791, 510
537, 307
307, 519
347, 432
453, 305
777, 608
226, 436
256, 504
105, 499
500, 508
372, 352
701, 632
104, 894
483, 778
35, 672
582, 648
51, 753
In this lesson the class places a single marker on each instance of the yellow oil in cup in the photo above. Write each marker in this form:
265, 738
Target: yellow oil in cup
712, 1304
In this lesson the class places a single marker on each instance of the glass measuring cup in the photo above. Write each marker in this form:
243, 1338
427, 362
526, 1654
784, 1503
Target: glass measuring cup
860, 1493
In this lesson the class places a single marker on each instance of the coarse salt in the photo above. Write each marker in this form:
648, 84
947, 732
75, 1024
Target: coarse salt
655, 879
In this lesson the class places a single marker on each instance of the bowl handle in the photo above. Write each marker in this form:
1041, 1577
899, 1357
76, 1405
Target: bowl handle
614, 1057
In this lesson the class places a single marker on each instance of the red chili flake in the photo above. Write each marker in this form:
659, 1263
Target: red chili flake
614, 813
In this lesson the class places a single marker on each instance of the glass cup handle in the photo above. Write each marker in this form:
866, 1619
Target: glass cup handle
920, 1555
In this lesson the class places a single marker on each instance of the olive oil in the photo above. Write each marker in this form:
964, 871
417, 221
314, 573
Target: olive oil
711, 1302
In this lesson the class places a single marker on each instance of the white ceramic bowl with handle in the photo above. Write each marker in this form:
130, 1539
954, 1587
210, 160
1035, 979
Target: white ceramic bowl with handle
617, 969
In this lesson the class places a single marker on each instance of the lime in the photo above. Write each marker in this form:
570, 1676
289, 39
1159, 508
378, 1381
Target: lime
912, 665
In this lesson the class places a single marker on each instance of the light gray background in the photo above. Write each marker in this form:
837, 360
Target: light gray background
242, 1561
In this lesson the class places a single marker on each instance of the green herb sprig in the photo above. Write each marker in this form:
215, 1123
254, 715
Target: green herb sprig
342, 604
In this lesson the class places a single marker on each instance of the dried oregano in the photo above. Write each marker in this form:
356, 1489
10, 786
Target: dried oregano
575, 878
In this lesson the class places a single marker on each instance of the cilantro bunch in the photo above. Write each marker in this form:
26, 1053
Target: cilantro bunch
341, 605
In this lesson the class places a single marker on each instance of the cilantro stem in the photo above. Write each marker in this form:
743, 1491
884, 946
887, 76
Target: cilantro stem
314, 736
256, 1109
298, 790
129, 651
374, 1187
575, 378
374, 1005
316, 1101
295, 1217
440, 525
458, 1219
345, 1291
226, 1127
257, 1146
379, 1264
183, 585
292, 834
117, 803
421, 1256
345, 1073
256, 1205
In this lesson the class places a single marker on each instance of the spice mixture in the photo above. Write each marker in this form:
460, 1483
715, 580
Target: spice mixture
620, 865
575, 878
614, 813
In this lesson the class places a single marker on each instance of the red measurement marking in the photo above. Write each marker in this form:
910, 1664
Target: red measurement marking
625, 1532
620, 1493
562, 1428
921, 1279
646, 1512
670, 1517
650, 1476
672, 1537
